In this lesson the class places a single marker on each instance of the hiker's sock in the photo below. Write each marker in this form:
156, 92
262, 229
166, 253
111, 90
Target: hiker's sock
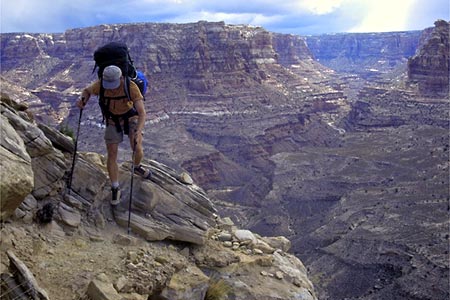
115, 184
115, 195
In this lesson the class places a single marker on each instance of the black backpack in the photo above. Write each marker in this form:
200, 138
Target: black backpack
116, 53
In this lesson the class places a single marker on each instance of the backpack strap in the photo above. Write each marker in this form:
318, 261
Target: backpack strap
127, 87
104, 103
132, 112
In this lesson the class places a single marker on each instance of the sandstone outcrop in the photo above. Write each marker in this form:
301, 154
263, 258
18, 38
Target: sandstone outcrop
82, 254
16, 165
429, 68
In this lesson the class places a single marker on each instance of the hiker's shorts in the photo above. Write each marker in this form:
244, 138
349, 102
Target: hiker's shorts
112, 136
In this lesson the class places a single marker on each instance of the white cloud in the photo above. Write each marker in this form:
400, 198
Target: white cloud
320, 7
385, 15
40, 16
289, 16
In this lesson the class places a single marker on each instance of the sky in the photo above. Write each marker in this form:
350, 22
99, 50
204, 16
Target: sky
302, 17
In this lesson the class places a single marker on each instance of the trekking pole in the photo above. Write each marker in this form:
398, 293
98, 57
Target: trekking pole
69, 186
131, 184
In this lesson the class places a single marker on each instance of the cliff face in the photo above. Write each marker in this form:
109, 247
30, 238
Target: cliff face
430, 66
188, 49
206, 79
290, 49
284, 144
369, 55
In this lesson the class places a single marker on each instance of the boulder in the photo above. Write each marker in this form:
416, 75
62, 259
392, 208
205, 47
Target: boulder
36, 142
263, 247
49, 170
90, 180
186, 178
293, 268
69, 215
48, 163
278, 242
269, 277
226, 224
189, 283
243, 235
58, 139
163, 207
17, 174
101, 289
213, 255
224, 236
27, 209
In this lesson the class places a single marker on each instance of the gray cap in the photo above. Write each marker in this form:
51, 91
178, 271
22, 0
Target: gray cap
111, 77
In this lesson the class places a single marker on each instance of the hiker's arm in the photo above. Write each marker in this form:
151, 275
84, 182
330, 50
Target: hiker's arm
84, 98
92, 89
139, 105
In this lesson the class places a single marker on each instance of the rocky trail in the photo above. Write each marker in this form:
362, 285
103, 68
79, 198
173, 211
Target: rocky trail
179, 248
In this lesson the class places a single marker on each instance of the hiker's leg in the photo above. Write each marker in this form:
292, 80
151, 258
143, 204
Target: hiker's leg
111, 163
113, 171
112, 140
139, 151
136, 141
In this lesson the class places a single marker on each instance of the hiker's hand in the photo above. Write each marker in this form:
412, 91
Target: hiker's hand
81, 103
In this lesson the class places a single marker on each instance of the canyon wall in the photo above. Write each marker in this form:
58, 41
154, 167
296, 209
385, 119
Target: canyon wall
429, 68
325, 140
365, 54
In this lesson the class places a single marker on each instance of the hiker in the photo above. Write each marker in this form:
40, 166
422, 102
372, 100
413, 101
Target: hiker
125, 114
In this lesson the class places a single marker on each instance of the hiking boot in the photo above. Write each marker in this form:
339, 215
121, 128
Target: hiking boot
115, 196
146, 174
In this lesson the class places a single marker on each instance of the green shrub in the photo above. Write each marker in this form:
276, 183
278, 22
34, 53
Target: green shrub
65, 129
218, 290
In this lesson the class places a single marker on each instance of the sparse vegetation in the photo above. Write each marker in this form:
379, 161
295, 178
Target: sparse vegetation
218, 290
65, 129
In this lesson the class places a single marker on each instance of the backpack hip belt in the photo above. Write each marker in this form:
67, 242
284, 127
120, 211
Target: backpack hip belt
123, 117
